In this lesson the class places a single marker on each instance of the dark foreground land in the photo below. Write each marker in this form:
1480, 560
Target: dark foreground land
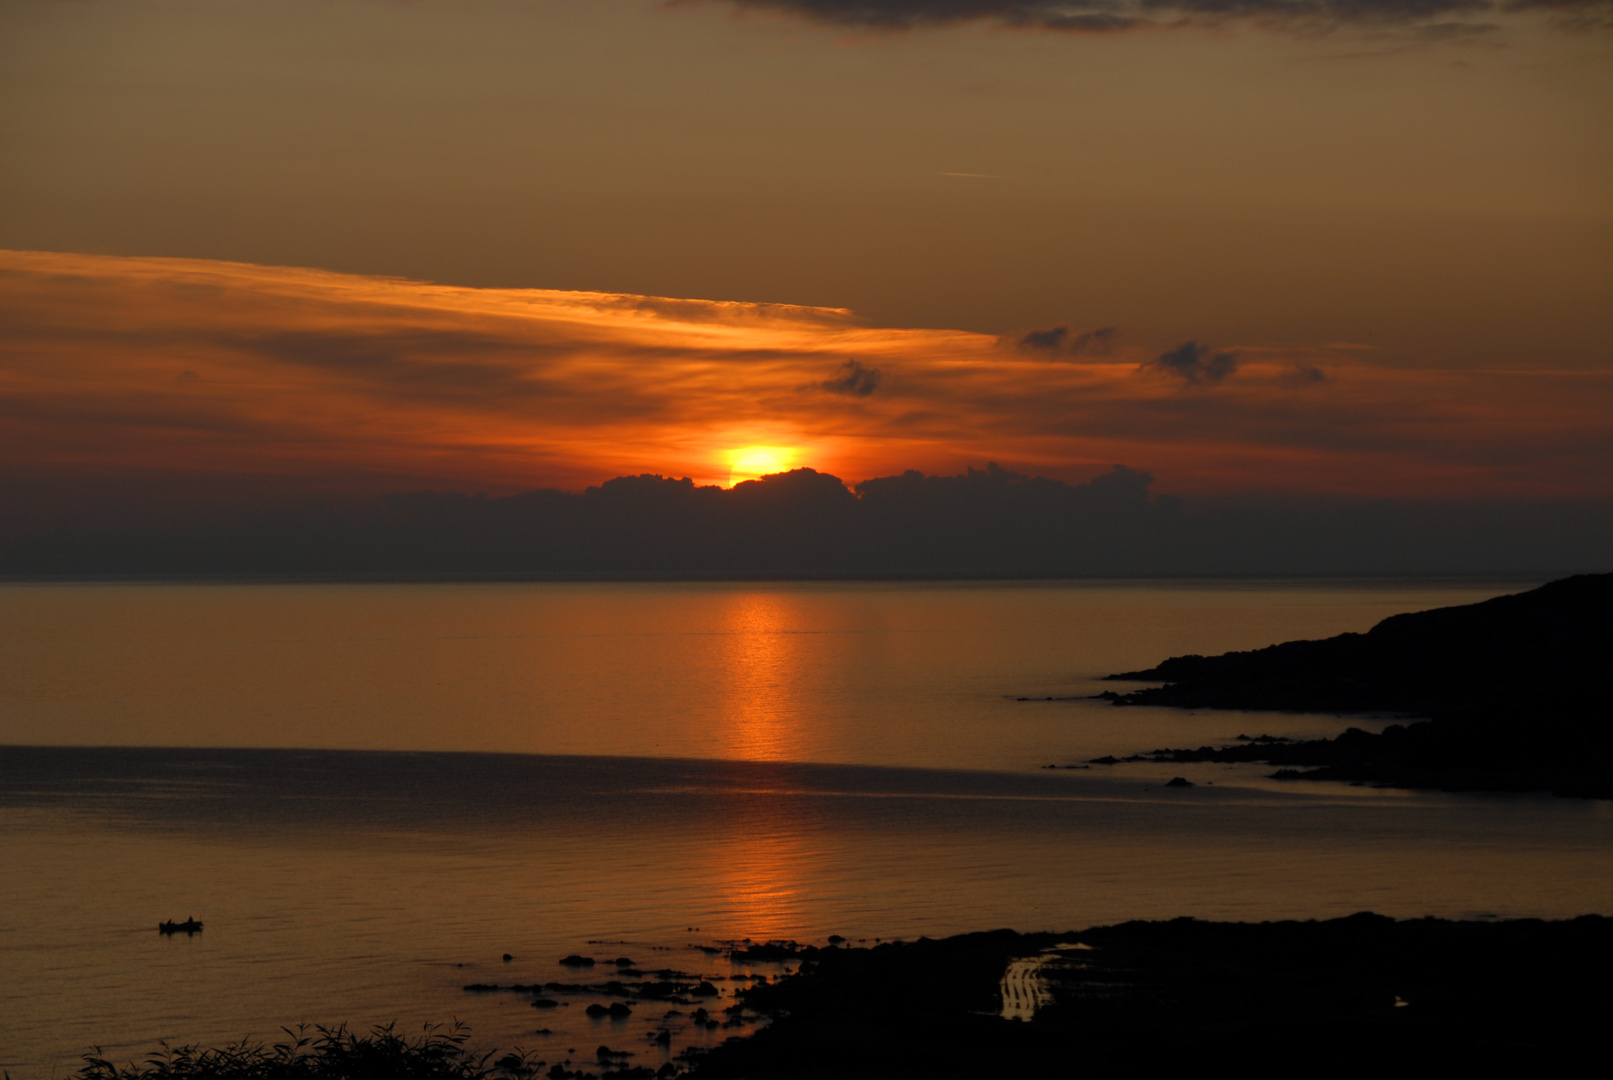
1359, 992
1512, 694
1364, 990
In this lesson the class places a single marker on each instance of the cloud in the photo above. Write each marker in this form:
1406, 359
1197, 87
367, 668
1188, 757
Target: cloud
853, 380
1049, 340
1306, 375
1440, 17
1195, 363
309, 381
1099, 16
1060, 341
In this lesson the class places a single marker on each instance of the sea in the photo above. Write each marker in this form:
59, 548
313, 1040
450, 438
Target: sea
375, 795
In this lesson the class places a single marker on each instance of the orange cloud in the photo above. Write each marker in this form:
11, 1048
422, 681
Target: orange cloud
196, 368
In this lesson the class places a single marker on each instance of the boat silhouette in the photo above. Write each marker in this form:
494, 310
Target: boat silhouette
189, 926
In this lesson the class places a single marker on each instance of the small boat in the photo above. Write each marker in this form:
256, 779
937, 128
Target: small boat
189, 926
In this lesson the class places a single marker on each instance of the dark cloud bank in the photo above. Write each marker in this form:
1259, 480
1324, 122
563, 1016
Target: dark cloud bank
804, 524
1434, 17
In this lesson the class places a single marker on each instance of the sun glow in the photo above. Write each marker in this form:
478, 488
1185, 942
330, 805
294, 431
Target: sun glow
200, 383
755, 462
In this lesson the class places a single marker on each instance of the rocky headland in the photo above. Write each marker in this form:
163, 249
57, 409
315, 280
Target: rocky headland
1511, 694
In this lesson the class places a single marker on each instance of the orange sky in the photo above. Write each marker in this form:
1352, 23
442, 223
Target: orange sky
1434, 179
119, 366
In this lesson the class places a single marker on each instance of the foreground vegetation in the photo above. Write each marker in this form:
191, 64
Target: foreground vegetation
438, 1053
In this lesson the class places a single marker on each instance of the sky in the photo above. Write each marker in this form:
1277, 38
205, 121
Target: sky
1356, 248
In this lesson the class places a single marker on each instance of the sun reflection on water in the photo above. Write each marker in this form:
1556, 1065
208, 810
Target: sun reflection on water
763, 871
760, 687
762, 876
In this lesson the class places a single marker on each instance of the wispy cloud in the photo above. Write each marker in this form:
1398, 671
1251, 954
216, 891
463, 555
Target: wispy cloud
116, 366
853, 380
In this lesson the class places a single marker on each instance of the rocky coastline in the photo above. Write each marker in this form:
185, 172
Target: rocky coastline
1364, 990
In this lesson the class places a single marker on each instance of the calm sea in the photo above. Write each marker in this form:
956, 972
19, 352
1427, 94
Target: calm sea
369, 794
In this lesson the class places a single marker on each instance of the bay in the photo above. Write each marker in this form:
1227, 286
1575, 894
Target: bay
370, 794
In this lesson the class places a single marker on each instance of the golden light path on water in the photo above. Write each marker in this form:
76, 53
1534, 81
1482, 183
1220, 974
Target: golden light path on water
761, 679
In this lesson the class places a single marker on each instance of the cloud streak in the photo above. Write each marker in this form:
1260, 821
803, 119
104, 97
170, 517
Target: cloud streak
193, 370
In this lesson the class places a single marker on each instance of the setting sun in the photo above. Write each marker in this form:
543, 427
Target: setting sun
755, 462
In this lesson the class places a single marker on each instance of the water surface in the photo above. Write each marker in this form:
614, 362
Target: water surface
898, 674
370, 794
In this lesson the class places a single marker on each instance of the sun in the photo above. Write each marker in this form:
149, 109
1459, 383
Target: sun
755, 462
